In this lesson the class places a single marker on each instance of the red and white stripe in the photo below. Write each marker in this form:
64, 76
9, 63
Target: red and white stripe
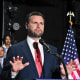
75, 74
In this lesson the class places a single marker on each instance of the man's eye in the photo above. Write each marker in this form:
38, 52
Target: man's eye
42, 23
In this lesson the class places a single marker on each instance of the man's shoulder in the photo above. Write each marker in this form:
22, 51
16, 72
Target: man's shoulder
53, 48
19, 43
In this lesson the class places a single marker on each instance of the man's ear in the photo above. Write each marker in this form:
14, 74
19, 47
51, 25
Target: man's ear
26, 25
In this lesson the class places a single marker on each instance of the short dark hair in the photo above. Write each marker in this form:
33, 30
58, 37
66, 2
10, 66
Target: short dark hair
32, 14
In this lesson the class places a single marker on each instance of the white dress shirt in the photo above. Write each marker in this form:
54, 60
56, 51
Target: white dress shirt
1, 61
30, 43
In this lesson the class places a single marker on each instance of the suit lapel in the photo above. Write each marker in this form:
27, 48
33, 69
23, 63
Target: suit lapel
29, 57
45, 62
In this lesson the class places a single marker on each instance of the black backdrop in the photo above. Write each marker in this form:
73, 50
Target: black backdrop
1, 20
54, 21
55, 16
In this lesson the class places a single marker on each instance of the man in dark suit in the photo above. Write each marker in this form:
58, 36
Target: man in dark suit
21, 64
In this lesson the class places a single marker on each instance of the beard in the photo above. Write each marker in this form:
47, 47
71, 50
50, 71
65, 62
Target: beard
33, 34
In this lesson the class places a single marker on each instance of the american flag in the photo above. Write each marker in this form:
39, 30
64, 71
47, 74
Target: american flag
70, 52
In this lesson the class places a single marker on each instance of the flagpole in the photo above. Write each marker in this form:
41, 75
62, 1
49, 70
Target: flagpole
69, 51
70, 14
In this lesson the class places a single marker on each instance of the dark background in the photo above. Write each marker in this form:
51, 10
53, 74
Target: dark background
55, 17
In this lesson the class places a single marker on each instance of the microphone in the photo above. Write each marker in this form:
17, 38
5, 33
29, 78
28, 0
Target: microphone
49, 51
48, 48
45, 44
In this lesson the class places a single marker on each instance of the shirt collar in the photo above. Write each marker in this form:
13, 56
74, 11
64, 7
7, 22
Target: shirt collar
31, 41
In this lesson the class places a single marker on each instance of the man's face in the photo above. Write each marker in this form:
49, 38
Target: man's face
36, 26
1, 52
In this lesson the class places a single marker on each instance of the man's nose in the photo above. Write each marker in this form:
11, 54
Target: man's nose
38, 25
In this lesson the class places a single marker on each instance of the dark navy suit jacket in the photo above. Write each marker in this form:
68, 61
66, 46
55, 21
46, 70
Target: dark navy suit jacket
51, 68
0, 71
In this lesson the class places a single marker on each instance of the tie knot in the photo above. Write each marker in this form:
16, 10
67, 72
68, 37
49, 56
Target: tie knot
35, 45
